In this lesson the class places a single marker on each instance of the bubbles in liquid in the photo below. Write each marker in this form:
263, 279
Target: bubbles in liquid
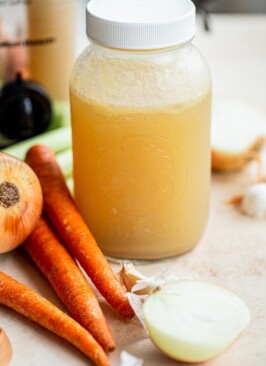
142, 79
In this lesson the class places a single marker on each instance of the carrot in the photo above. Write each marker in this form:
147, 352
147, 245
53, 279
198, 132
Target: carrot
60, 269
63, 213
25, 301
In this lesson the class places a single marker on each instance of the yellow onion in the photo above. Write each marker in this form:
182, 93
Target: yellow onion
20, 201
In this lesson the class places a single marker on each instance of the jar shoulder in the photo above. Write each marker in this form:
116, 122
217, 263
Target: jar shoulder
141, 78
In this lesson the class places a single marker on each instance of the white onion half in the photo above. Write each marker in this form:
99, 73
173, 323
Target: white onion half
238, 133
194, 321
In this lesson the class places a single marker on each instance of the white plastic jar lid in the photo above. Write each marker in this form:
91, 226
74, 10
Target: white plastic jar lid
140, 24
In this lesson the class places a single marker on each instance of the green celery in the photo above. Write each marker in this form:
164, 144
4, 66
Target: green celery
64, 160
57, 140
70, 184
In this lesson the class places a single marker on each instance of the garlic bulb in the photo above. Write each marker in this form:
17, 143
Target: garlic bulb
253, 202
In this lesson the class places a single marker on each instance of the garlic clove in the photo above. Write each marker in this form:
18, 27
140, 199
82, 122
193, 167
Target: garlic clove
253, 202
194, 321
136, 282
20, 201
5, 349
238, 133
129, 277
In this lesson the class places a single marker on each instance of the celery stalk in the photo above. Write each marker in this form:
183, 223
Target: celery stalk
70, 184
64, 160
57, 140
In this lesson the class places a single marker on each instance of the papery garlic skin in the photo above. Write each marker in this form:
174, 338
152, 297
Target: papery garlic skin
126, 359
254, 201
136, 302
135, 282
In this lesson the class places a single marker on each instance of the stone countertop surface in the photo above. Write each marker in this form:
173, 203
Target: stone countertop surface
232, 251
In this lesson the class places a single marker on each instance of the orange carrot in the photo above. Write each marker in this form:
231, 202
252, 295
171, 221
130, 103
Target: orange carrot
63, 213
54, 261
25, 301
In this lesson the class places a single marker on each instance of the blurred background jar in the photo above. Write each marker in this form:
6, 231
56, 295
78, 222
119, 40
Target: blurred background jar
51, 32
13, 33
39, 39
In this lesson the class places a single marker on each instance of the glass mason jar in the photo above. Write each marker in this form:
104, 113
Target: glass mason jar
140, 105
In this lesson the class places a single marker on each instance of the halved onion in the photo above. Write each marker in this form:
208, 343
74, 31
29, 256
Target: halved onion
238, 133
194, 321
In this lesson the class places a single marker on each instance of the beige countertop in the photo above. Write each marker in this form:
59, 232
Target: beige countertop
232, 251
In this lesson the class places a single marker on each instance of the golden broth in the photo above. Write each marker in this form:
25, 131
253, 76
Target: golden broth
141, 175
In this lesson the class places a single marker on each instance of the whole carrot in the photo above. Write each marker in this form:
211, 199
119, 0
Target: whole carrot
25, 301
57, 265
64, 215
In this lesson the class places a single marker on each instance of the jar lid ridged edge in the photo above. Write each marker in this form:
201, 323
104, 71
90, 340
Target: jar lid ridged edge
141, 35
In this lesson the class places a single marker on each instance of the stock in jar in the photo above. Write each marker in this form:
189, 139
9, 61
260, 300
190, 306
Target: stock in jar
140, 106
